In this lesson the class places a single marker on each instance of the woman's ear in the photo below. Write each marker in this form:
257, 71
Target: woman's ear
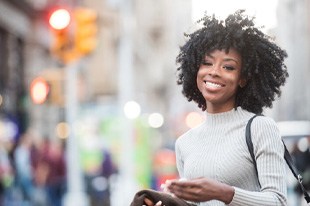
242, 82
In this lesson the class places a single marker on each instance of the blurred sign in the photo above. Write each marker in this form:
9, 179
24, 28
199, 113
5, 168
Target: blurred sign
165, 166
294, 128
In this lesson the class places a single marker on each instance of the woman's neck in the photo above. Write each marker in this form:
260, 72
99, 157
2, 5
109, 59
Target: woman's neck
215, 108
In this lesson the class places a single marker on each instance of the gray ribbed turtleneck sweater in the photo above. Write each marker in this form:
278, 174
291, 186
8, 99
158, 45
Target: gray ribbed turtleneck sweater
217, 149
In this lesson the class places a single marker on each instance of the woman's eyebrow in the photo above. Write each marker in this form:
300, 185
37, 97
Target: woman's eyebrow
225, 59
231, 59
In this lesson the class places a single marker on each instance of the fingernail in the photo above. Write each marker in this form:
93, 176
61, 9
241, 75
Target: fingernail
168, 182
159, 203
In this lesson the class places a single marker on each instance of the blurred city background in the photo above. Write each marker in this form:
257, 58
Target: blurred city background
89, 106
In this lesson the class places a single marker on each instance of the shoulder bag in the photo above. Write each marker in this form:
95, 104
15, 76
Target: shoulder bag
287, 158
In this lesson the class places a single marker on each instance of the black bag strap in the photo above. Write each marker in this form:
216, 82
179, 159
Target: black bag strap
287, 157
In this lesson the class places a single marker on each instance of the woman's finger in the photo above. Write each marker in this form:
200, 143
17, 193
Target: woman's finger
148, 202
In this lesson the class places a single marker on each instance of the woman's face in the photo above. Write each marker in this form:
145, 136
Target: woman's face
218, 79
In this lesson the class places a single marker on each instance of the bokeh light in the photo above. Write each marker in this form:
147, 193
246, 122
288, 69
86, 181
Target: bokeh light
132, 110
156, 120
60, 19
193, 119
39, 90
303, 144
62, 130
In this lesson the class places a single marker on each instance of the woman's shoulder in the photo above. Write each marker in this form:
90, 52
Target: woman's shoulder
263, 121
191, 133
265, 127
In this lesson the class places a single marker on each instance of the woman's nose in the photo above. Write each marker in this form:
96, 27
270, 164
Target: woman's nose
214, 70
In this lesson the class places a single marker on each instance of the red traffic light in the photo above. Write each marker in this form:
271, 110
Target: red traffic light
60, 19
39, 90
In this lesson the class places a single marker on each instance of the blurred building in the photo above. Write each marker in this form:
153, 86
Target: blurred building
19, 43
293, 34
157, 30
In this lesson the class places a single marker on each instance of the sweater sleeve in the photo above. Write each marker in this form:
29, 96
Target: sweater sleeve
269, 155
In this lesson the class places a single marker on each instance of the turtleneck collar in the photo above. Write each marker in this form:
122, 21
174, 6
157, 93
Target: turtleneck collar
226, 117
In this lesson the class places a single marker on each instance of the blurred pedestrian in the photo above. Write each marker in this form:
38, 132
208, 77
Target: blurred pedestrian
232, 70
6, 173
98, 181
56, 173
108, 168
301, 158
23, 167
40, 171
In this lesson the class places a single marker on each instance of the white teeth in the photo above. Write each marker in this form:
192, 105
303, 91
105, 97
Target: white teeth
210, 84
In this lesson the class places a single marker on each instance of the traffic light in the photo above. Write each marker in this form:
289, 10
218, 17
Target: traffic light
59, 21
74, 32
39, 90
55, 78
48, 87
86, 28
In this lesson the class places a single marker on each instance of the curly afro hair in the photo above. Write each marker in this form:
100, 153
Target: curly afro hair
262, 60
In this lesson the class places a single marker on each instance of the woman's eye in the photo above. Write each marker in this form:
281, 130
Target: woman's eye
228, 67
206, 63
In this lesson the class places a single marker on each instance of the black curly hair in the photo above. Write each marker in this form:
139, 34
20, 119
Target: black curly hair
262, 60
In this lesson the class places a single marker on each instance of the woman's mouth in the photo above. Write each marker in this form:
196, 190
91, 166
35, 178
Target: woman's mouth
213, 85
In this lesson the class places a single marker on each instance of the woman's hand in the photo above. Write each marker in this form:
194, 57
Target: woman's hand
201, 190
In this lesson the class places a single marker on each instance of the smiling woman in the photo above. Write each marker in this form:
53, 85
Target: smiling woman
232, 70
